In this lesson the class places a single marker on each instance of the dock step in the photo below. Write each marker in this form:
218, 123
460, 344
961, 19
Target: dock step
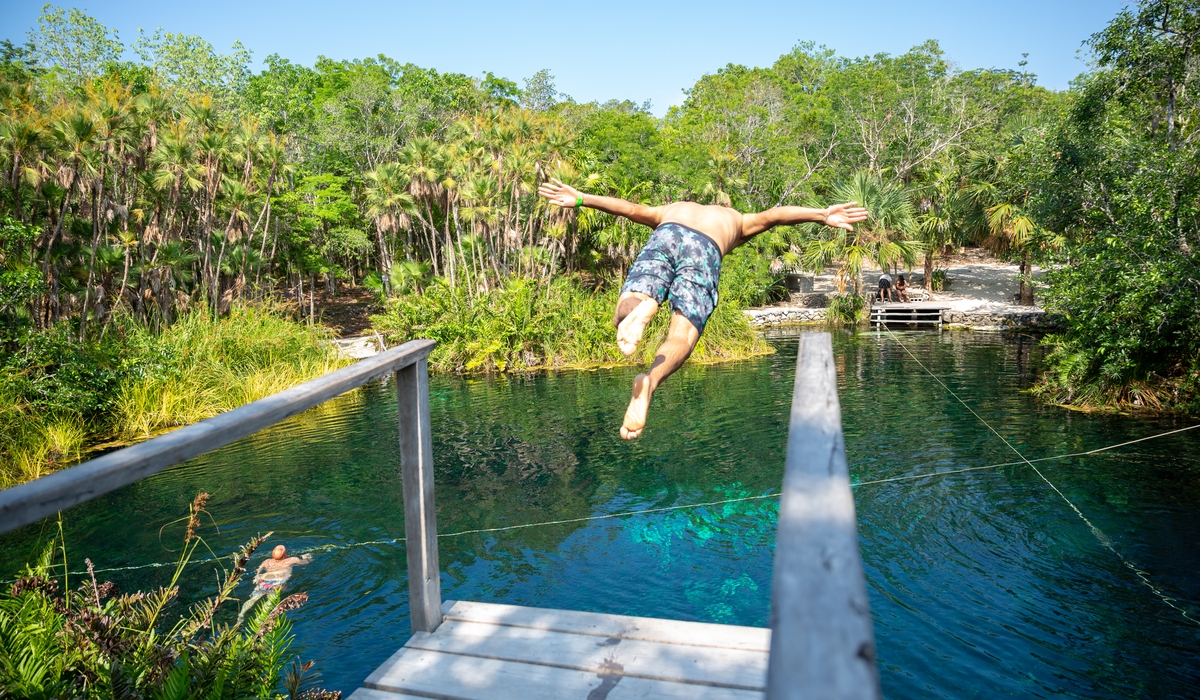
915, 313
494, 652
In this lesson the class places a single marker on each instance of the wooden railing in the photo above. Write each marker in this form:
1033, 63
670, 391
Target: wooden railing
822, 639
27, 503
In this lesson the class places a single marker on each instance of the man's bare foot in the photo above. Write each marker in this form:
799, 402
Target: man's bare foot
639, 405
629, 332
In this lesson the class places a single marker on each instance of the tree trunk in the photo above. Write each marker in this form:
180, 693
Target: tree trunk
927, 279
1026, 287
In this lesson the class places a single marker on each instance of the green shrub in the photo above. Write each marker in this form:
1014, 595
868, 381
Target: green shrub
938, 280
845, 309
527, 324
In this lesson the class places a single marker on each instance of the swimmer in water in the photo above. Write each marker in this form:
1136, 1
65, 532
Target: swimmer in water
272, 574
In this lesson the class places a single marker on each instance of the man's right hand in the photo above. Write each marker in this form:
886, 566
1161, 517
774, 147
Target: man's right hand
558, 193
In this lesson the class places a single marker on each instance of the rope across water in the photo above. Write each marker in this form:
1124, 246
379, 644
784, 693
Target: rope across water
688, 506
1100, 536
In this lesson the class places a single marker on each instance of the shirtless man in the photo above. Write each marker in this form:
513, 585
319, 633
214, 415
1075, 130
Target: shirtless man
682, 262
272, 574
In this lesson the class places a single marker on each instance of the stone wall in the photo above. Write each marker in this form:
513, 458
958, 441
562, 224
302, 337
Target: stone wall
1002, 319
1011, 318
781, 315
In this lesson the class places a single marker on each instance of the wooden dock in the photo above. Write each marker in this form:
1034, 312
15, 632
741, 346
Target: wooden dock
483, 651
821, 644
917, 313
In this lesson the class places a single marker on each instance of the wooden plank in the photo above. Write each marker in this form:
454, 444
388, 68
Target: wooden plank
729, 668
30, 502
420, 516
913, 321
645, 629
372, 694
823, 643
925, 305
439, 675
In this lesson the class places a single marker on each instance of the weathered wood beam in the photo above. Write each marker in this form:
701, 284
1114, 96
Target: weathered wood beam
822, 639
30, 502
420, 516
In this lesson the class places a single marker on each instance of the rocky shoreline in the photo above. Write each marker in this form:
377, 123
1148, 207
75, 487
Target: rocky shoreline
963, 314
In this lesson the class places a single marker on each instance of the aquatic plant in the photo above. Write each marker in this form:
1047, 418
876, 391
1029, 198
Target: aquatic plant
93, 641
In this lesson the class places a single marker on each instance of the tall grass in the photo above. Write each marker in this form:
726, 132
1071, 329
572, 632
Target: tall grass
528, 325
210, 366
57, 400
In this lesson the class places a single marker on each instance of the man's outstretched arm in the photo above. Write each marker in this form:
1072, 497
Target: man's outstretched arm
567, 196
836, 216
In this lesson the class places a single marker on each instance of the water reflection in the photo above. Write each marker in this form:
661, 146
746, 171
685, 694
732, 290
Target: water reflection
982, 583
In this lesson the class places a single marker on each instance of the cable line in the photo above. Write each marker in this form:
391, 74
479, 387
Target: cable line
1100, 536
623, 514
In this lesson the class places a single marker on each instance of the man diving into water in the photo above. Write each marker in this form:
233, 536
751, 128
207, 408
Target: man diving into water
682, 262
272, 574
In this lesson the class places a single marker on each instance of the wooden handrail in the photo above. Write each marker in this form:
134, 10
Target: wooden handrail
822, 639
30, 502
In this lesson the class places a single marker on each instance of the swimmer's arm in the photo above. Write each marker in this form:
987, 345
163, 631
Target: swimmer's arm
567, 196
835, 216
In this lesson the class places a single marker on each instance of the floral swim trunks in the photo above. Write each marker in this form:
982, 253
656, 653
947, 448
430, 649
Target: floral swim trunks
681, 264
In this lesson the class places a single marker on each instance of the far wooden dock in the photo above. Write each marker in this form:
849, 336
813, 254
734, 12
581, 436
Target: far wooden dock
917, 313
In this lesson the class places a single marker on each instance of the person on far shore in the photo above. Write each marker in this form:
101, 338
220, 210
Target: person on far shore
272, 574
902, 290
885, 288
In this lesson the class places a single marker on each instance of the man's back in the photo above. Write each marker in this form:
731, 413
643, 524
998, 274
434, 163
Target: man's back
722, 224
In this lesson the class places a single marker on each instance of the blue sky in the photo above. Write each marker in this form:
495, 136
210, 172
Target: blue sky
630, 50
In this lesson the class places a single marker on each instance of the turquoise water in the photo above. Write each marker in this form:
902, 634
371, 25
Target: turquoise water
982, 584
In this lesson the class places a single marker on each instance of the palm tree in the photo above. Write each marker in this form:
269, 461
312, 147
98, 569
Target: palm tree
387, 204
941, 223
883, 238
999, 214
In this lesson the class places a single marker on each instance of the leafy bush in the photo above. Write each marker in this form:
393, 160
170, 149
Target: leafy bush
747, 280
1132, 339
938, 280
96, 642
845, 308
527, 324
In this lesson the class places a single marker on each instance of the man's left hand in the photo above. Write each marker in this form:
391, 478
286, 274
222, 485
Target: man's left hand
843, 215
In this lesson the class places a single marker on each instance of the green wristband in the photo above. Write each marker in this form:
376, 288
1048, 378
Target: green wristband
579, 201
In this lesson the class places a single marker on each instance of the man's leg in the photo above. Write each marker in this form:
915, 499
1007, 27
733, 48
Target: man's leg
681, 340
249, 604
634, 311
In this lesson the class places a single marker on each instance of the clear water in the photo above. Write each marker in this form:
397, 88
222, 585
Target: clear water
982, 584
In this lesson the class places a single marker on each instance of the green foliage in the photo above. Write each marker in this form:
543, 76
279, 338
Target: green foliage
883, 238
191, 64
747, 280
74, 46
1121, 182
845, 309
57, 393
525, 325
20, 281
938, 280
96, 642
